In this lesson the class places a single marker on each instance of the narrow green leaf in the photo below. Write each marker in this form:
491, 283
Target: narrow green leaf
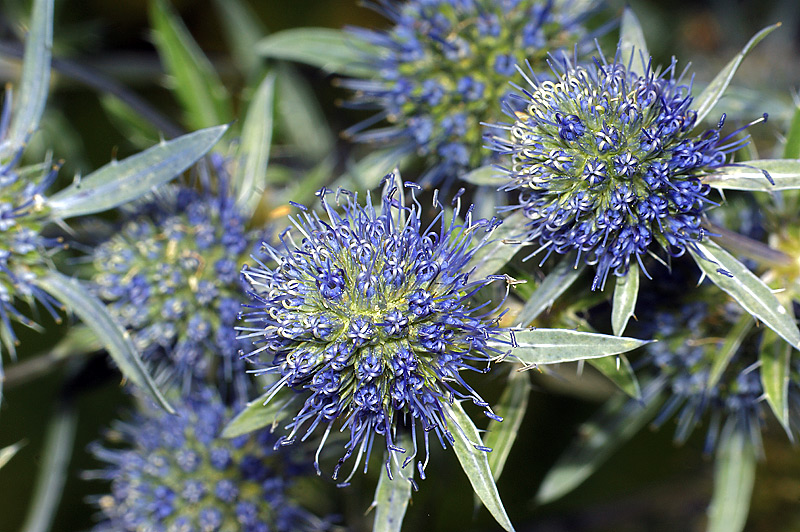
550, 346
750, 291
114, 338
204, 98
242, 30
368, 172
617, 421
619, 371
784, 172
484, 176
475, 464
7, 453
136, 129
32, 94
334, 51
556, 283
253, 153
57, 451
266, 410
391, 498
632, 44
502, 247
734, 477
791, 150
775, 357
732, 343
513, 404
625, 293
712, 93
301, 116
122, 181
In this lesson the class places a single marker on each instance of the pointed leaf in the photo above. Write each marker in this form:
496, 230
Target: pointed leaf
32, 94
58, 445
734, 477
750, 291
625, 293
775, 358
113, 336
122, 181
712, 93
500, 436
301, 116
242, 30
368, 172
253, 153
502, 247
268, 409
475, 464
391, 498
618, 370
137, 130
749, 176
204, 98
7, 453
732, 343
617, 421
556, 283
334, 51
791, 150
484, 176
550, 346
632, 44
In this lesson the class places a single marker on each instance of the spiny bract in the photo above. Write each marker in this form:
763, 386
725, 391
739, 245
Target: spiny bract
369, 315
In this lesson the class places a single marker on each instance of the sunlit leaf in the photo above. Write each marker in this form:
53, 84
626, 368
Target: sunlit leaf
504, 244
556, 283
712, 93
368, 172
484, 176
625, 293
753, 295
334, 51
391, 498
632, 44
114, 338
475, 464
7, 453
122, 181
260, 413
750, 176
550, 346
775, 357
734, 477
500, 436
249, 179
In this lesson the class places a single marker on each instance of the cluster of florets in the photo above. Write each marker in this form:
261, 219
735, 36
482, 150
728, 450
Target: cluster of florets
24, 252
175, 473
606, 165
171, 277
445, 65
369, 316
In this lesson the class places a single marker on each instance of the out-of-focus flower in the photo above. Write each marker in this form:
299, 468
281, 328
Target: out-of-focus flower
368, 313
175, 473
443, 67
607, 165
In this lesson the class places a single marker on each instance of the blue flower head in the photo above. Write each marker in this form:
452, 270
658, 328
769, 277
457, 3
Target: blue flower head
171, 277
607, 165
175, 473
443, 67
367, 313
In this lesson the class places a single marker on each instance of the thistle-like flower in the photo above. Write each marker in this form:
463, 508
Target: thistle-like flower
175, 473
606, 163
369, 315
171, 277
444, 66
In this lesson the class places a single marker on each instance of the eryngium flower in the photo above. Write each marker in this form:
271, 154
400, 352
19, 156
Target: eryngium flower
369, 315
24, 251
607, 166
171, 277
445, 65
175, 473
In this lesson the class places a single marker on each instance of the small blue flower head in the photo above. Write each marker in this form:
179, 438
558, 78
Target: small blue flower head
607, 165
368, 314
171, 277
24, 252
175, 473
443, 67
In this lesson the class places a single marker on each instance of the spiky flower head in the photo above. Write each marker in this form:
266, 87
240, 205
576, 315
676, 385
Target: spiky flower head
25, 251
171, 277
369, 315
175, 473
443, 67
607, 165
